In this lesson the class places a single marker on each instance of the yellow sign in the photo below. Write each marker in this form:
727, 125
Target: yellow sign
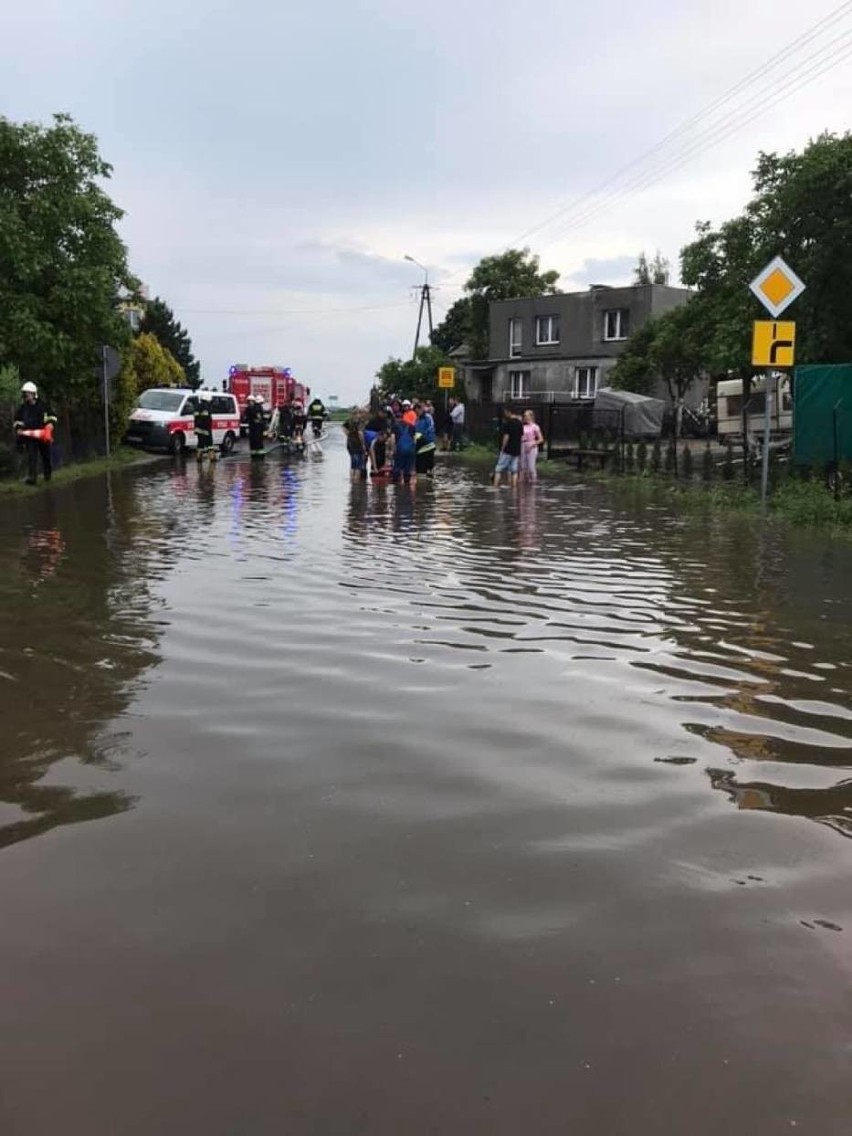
777, 286
446, 378
773, 343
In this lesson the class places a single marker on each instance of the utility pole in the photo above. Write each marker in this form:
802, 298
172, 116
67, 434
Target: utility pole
425, 302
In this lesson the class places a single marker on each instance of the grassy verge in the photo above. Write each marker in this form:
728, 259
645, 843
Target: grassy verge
801, 502
119, 459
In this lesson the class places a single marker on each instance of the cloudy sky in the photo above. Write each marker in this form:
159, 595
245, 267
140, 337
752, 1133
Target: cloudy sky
277, 158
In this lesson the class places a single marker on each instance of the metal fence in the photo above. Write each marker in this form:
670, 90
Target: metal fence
565, 425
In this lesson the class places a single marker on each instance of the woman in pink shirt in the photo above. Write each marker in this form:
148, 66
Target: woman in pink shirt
532, 439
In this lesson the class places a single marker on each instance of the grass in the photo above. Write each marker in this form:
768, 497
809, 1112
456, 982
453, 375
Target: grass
802, 502
121, 458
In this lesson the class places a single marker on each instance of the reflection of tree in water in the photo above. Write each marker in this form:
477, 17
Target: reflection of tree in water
832, 806
76, 633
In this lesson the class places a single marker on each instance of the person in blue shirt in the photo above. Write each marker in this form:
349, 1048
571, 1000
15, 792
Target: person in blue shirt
424, 437
404, 451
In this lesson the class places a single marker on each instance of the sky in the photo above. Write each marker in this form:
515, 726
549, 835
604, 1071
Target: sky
277, 160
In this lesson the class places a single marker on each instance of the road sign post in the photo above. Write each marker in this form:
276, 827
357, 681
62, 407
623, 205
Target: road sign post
773, 342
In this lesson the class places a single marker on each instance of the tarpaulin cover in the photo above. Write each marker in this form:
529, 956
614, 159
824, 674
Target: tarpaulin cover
642, 415
817, 392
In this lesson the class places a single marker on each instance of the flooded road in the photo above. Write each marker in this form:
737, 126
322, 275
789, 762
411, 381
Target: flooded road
331, 809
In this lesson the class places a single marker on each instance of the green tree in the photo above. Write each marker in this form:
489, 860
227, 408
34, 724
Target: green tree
507, 275
802, 210
62, 263
671, 350
159, 320
455, 328
411, 378
657, 271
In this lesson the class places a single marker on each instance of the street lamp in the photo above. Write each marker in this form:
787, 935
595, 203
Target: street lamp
425, 300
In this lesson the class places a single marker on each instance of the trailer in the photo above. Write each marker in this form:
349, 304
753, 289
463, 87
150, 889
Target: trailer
729, 409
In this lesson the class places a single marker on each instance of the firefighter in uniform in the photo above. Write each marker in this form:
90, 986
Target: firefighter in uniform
317, 414
33, 414
255, 423
204, 428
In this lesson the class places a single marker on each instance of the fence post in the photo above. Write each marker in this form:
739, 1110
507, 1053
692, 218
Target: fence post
549, 429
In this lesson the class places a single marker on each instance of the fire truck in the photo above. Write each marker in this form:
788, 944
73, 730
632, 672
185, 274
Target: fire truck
275, 385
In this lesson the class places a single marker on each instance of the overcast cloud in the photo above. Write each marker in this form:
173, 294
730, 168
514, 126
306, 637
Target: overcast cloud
277, 160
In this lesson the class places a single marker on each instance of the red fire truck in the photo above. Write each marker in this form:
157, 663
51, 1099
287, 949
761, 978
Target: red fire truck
275, 385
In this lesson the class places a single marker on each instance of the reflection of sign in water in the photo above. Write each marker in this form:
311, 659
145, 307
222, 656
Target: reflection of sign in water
777, 286
446, 378
773, 343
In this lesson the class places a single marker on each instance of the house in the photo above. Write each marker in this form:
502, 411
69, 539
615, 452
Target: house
560, 347
132, 307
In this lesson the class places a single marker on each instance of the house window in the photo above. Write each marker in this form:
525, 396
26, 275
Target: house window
519, 384
546, 330
515, 338
616, 324
133, 317
587, 382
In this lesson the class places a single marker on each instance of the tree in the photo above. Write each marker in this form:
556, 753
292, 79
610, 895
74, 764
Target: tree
159, 320
670, 349
657, 272
454, 330
509, 274
62, 264
802, 210
411, 378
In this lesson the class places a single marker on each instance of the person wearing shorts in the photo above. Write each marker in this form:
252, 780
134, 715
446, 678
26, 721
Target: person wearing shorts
509, 459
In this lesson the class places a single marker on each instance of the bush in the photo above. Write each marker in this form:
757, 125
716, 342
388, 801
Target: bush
728, 464
8, 460
642, 456
707, 464
686, 464
670, 464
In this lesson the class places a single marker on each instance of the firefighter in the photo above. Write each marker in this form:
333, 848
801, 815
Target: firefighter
255, 423
34, 414
300, 421
204, 428
317, 414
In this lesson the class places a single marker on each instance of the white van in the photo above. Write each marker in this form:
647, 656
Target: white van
164, 420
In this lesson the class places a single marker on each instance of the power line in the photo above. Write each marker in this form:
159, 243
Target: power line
709, 138
713, 133
749, 80
287, 311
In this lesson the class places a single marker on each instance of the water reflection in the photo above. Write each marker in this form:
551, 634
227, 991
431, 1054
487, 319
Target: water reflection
75, 636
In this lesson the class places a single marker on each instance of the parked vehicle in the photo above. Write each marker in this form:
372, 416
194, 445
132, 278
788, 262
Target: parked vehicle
164, 419
729, 408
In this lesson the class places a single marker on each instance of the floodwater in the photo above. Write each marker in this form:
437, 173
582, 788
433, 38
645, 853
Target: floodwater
331, 809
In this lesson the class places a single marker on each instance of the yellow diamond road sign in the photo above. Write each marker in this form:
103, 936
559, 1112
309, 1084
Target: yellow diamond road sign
773, 343
777, 286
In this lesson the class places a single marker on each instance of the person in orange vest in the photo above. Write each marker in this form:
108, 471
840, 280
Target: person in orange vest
34, 414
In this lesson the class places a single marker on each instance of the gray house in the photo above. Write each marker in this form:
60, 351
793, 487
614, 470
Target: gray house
562, 346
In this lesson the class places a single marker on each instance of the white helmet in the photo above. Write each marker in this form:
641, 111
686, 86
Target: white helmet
29, 388
205, 396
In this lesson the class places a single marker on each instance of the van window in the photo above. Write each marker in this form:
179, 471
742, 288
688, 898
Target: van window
190, 406
222, 404
160, 400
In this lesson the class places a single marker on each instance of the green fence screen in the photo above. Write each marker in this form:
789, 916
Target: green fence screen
820, 435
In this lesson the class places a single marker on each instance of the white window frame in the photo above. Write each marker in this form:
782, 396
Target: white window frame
622, 322
519, 385
591, 375
550, 322
516, 337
